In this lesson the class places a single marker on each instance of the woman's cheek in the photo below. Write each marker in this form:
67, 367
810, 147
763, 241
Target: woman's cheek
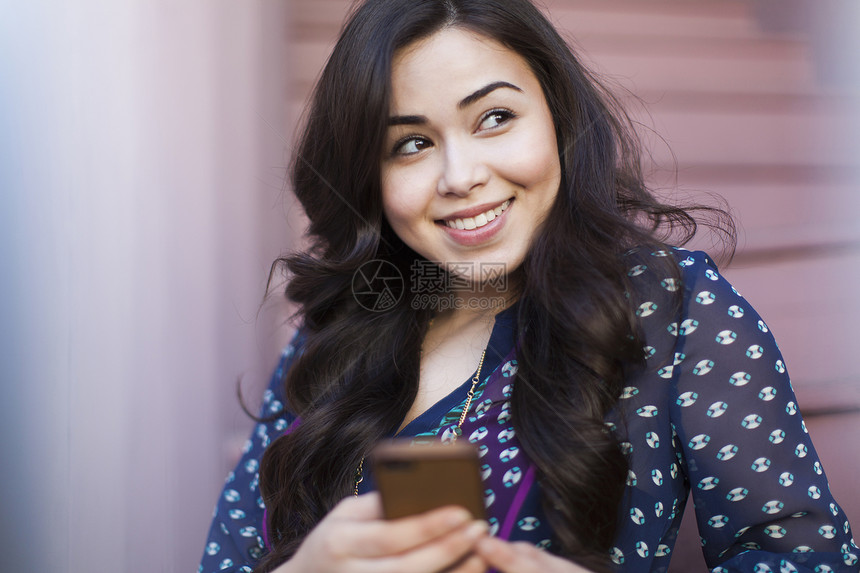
529, 162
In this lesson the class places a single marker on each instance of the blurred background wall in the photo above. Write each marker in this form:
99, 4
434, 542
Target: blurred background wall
142, 155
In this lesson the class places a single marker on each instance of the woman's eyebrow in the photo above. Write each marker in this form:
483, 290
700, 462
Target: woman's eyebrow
465, 102
407, 120
484, 91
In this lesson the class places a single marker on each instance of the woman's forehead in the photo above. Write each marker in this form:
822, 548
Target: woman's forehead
454, 61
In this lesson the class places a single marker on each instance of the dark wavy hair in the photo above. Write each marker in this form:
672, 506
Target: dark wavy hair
358, 373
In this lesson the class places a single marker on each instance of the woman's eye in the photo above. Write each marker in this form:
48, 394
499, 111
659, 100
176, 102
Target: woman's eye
495, 118
411, 145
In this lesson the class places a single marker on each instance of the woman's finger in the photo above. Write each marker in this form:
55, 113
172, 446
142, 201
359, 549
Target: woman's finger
501, 555
353, 538
472, 564
363, 507
379, 538
450, 552
521, 557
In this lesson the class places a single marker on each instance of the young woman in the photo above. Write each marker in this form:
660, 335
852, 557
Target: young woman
459, 161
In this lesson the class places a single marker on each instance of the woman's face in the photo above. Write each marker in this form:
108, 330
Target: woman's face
470, 168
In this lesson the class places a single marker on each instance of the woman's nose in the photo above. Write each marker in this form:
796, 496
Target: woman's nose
463, 171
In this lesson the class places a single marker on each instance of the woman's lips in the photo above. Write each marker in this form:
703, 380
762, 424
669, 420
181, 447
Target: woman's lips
479, 220
469, 231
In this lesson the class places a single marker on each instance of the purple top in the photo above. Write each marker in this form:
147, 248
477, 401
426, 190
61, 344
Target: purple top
713, 413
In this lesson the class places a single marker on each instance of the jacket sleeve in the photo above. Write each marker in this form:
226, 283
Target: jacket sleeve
761, 497
236, 536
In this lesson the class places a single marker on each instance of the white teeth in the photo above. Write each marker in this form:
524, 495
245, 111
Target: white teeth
478, 221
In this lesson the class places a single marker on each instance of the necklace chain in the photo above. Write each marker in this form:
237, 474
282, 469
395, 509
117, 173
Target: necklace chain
359, 475
471, 393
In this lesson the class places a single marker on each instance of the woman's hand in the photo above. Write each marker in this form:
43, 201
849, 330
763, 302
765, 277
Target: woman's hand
522, 557
354, 537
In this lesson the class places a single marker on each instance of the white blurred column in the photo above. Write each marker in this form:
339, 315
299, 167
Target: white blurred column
141, 203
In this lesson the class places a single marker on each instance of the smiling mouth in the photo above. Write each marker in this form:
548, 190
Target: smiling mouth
478, 221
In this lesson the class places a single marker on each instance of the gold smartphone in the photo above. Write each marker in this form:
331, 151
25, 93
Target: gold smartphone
416, 478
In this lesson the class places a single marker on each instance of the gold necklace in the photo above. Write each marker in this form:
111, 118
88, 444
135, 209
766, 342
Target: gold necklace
359, 477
